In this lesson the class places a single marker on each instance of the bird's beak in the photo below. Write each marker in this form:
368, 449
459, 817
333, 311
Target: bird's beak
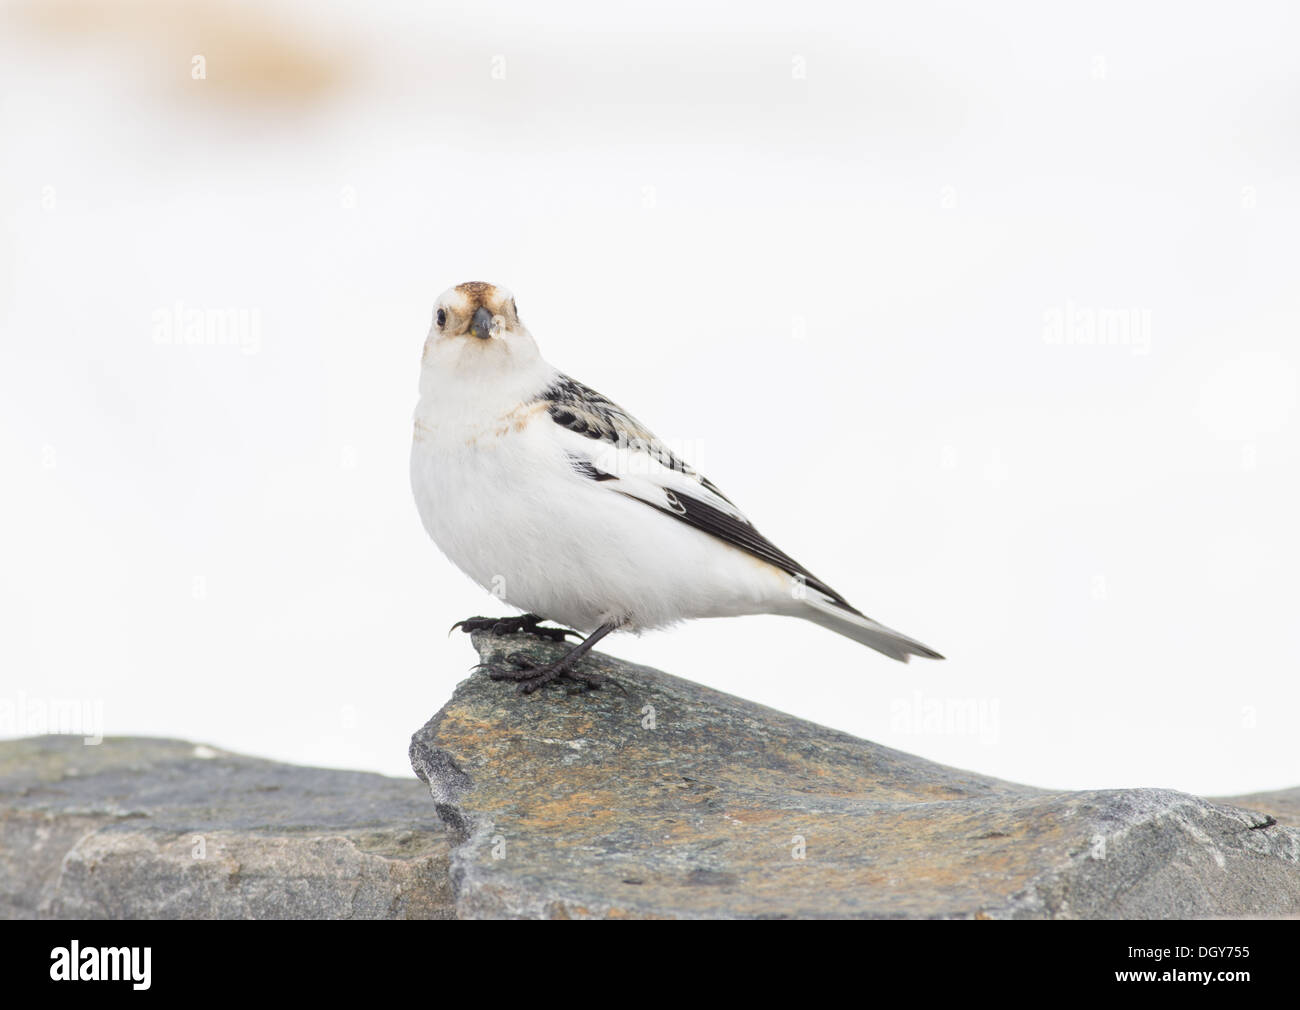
481, 325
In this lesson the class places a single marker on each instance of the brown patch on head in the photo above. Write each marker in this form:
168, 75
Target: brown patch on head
476, 291
479, 294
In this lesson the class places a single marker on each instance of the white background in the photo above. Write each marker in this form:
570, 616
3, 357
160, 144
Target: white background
819, 249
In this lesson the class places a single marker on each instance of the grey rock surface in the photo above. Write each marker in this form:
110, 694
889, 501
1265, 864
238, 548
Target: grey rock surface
146, 828
674, 800
669, 800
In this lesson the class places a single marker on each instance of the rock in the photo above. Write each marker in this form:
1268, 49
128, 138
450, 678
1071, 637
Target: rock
668, 800
674, 800
140, 828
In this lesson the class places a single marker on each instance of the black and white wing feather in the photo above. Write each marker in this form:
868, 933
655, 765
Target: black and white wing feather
637, 464
620, 452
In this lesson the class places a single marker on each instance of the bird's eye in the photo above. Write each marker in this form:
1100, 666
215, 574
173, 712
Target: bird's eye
442, 317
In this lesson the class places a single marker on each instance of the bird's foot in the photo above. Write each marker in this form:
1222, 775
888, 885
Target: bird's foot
530, 675
529, 623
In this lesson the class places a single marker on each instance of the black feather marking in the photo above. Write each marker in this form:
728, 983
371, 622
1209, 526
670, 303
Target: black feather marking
585, 468
740, 533
584, 411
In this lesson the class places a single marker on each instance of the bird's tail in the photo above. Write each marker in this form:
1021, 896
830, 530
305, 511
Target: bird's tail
821, 609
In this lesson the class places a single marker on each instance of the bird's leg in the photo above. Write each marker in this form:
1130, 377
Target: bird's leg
530, 675
529, 623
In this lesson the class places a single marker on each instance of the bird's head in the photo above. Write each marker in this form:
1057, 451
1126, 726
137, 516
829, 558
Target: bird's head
476, 331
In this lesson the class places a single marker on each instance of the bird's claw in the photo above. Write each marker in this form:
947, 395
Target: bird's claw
529, 623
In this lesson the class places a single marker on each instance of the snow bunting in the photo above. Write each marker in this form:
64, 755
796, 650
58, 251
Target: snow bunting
562, 504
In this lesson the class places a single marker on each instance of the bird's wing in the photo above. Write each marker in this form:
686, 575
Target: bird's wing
607, 444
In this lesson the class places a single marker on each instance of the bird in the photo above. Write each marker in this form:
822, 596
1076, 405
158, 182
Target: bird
563, 505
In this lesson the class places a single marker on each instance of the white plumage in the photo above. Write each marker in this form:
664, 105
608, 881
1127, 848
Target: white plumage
561, 504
